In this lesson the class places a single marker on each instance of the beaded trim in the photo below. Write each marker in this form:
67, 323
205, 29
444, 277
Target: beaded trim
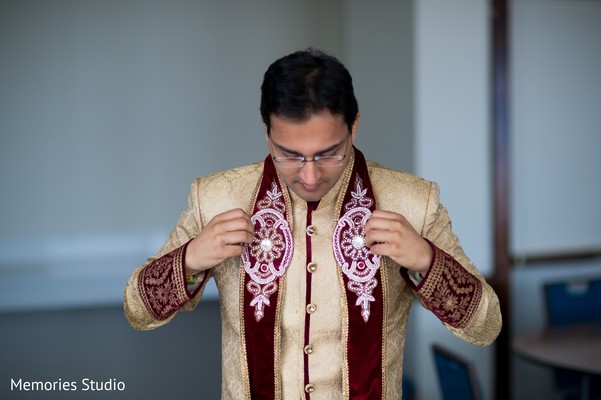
267, 258
357, 262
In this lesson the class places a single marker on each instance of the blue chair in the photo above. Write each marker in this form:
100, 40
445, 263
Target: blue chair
408, 388
456, 376
571, 302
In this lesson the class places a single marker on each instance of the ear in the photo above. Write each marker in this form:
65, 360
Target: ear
266, 132
354, 127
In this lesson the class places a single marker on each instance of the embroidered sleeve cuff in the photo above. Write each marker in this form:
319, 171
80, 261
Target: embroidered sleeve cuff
448, 289
162, 284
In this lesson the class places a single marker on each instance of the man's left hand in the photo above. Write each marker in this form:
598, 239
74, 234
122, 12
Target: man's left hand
390, 234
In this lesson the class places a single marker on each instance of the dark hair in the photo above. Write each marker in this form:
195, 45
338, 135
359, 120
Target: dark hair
306, 82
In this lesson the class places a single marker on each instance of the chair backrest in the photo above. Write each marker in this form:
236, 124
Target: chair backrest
575, 301
456, 376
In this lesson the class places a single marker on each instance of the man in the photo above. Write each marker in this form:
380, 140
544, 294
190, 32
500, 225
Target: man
317, 254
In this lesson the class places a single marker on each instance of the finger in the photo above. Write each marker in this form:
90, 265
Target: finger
234, 225
234, 238
390, 249
380, 236
387, 215
378, 223
233, 250
381, 249
235, 213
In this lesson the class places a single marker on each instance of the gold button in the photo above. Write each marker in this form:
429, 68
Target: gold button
311, 308
312, 267
311, 230
308, 349
309, 388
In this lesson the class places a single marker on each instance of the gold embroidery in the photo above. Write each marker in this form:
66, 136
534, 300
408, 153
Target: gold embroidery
450, 291
277, 339
345, 329
162, 286
384, 279
346, 177
243, 355
282, 292
243, 352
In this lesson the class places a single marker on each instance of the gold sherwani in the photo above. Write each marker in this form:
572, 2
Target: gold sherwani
157, 290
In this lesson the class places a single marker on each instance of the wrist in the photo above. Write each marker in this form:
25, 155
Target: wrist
190, 262
428, 256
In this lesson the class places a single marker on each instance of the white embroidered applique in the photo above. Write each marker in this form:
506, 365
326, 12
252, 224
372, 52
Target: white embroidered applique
358, 263
270, 253
273, 199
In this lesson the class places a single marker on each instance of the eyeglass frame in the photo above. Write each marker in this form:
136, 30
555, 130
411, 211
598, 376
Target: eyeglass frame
304, 160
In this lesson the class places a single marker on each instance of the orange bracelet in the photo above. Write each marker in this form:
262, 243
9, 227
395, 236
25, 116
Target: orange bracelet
191, 279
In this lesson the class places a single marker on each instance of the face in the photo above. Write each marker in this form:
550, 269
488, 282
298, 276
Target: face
322, 134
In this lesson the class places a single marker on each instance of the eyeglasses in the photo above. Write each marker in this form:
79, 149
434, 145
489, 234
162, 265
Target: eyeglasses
320, 161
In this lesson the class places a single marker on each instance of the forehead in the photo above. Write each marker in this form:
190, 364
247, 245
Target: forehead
319, 128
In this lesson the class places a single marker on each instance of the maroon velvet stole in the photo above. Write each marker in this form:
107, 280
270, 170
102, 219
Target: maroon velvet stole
363, 281
264, 266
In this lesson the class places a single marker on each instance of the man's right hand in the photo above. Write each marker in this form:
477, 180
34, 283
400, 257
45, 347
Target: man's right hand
224, 236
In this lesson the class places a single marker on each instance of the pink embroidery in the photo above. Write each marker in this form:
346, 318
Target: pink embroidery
273, 199
261, 296
270, 253
358, 263
358, 196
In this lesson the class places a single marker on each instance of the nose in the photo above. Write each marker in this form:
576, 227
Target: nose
309, 173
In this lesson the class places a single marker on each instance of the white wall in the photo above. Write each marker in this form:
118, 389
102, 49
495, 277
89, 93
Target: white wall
452, 147
379, 50
556, 93
108, 110
555, 138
